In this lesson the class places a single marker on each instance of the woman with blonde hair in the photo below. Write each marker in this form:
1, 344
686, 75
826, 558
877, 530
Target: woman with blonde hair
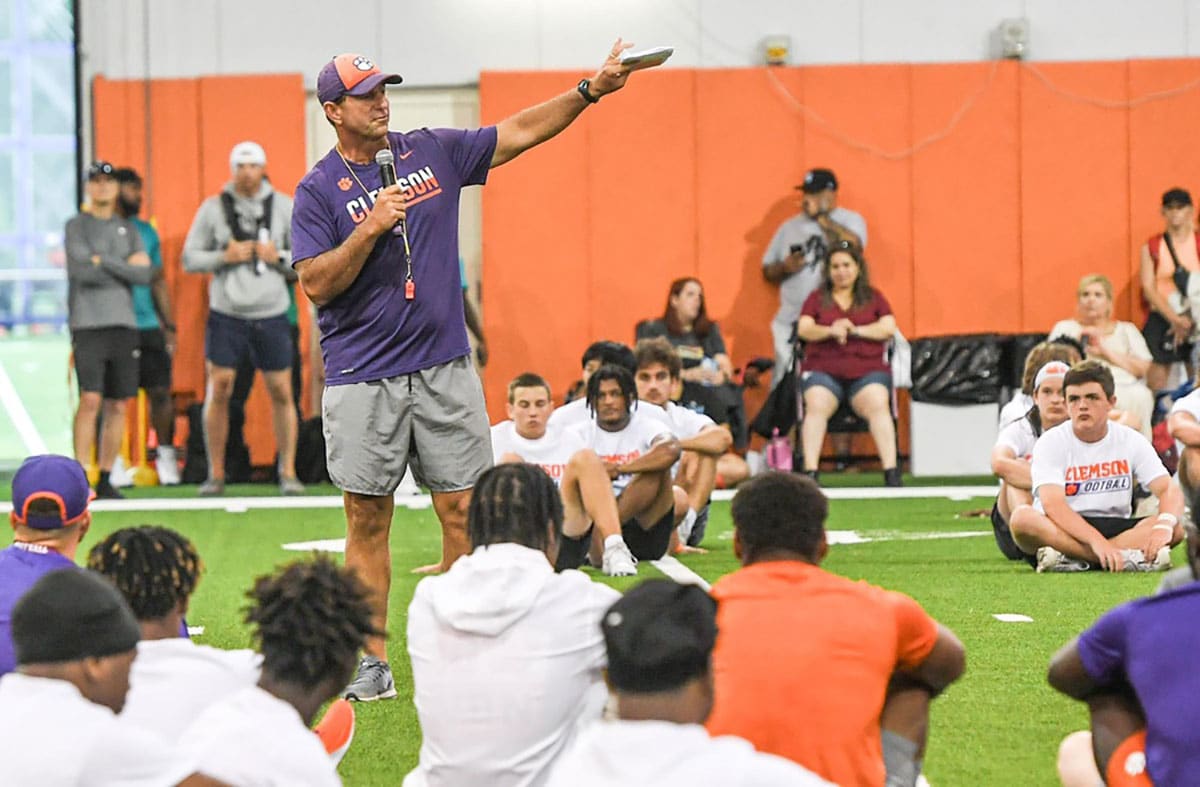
1117, 344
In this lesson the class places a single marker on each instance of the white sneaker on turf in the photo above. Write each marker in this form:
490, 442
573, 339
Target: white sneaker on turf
618, 560
167, 466
1051, 560
685, 527
120, 476
1162, 561
372, 682
1134, 560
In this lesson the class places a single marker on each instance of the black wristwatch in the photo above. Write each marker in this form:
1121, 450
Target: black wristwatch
584, 88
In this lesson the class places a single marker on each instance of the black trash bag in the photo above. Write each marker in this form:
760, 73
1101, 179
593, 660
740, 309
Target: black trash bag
1013, 352
778, 413
957, 369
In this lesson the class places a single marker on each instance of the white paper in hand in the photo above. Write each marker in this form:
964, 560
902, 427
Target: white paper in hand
648, 58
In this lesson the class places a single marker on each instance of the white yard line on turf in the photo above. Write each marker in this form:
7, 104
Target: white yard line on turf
243, 504
679, 572
11, 401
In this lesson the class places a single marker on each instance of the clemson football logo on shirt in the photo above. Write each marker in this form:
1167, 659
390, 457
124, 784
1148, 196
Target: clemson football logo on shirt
344, 184
1072, 490
363, 64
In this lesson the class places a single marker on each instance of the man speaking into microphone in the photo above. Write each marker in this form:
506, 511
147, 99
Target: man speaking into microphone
381, 264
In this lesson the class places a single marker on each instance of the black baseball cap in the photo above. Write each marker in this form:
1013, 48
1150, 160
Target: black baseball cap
101, 169
1176, 196
817, 180
72, 614
659, 636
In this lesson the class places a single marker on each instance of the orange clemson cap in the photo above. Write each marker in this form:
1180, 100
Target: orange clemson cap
351, 75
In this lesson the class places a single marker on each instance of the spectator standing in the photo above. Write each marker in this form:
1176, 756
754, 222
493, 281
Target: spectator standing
1170, 324
794, 258
105, 258
242, 236
156, 330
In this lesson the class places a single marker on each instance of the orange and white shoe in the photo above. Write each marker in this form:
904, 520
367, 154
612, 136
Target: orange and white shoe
336, 729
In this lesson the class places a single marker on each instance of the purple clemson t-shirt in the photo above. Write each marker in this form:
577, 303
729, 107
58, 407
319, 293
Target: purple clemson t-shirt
1152, 644
370, 331
21, 565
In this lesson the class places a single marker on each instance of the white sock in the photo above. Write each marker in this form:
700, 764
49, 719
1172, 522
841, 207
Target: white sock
612, 541
166, 453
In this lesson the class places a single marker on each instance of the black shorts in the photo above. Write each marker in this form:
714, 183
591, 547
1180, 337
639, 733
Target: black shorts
154, 364
106, 361
266, 343
649, 544
573, 552
1111, 526
1163, 349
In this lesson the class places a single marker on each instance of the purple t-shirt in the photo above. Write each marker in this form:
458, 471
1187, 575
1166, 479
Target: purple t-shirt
21, 565
1152, 644
370, 332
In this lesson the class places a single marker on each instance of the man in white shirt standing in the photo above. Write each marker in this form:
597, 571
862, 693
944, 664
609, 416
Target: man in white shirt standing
311, 619
639, 452
1083, 475
173, 679
506, 653
580, 476
75, 638
659, 639
701, 440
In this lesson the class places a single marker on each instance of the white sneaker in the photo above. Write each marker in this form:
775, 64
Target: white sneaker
408, 485
167, 466
1050, 559
120, 476
1162, 561
685, 527
618, 560
1135, 560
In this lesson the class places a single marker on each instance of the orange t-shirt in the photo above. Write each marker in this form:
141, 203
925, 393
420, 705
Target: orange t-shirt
802, 664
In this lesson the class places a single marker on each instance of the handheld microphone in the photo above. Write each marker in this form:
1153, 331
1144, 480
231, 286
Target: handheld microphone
387, 174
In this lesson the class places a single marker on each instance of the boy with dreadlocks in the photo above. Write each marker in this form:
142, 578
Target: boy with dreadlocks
639, 452
311, 619
173, 679
506, 654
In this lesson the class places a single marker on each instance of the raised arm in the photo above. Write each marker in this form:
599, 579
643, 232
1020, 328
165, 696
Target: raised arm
533, 126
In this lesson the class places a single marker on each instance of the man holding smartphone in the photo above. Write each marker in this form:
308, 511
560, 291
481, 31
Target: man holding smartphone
795, 256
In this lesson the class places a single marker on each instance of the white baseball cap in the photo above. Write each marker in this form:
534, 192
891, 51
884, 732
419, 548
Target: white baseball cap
247, 153
1052, 370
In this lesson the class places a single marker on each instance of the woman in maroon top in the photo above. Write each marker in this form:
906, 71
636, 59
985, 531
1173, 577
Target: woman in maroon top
846, 324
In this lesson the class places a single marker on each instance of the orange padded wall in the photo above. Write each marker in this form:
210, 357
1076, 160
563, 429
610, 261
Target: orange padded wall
988, 189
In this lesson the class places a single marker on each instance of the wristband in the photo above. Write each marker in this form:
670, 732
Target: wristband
584, 88
1168, 519
1166, 528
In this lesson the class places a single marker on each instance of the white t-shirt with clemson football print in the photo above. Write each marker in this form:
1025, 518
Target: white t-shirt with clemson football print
551, 452
1097, 477
630, 443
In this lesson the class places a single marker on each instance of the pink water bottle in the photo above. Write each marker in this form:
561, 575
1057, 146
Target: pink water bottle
779, 452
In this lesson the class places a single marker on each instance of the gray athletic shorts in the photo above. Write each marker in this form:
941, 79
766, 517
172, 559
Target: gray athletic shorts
435, 418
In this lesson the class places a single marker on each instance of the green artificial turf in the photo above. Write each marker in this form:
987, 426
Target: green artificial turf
999, 725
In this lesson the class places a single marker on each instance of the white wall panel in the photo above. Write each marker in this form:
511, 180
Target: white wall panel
451, 41
1106, 29
932, 30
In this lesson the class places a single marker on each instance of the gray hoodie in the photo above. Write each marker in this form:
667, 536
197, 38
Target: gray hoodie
241, 290
98, 293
